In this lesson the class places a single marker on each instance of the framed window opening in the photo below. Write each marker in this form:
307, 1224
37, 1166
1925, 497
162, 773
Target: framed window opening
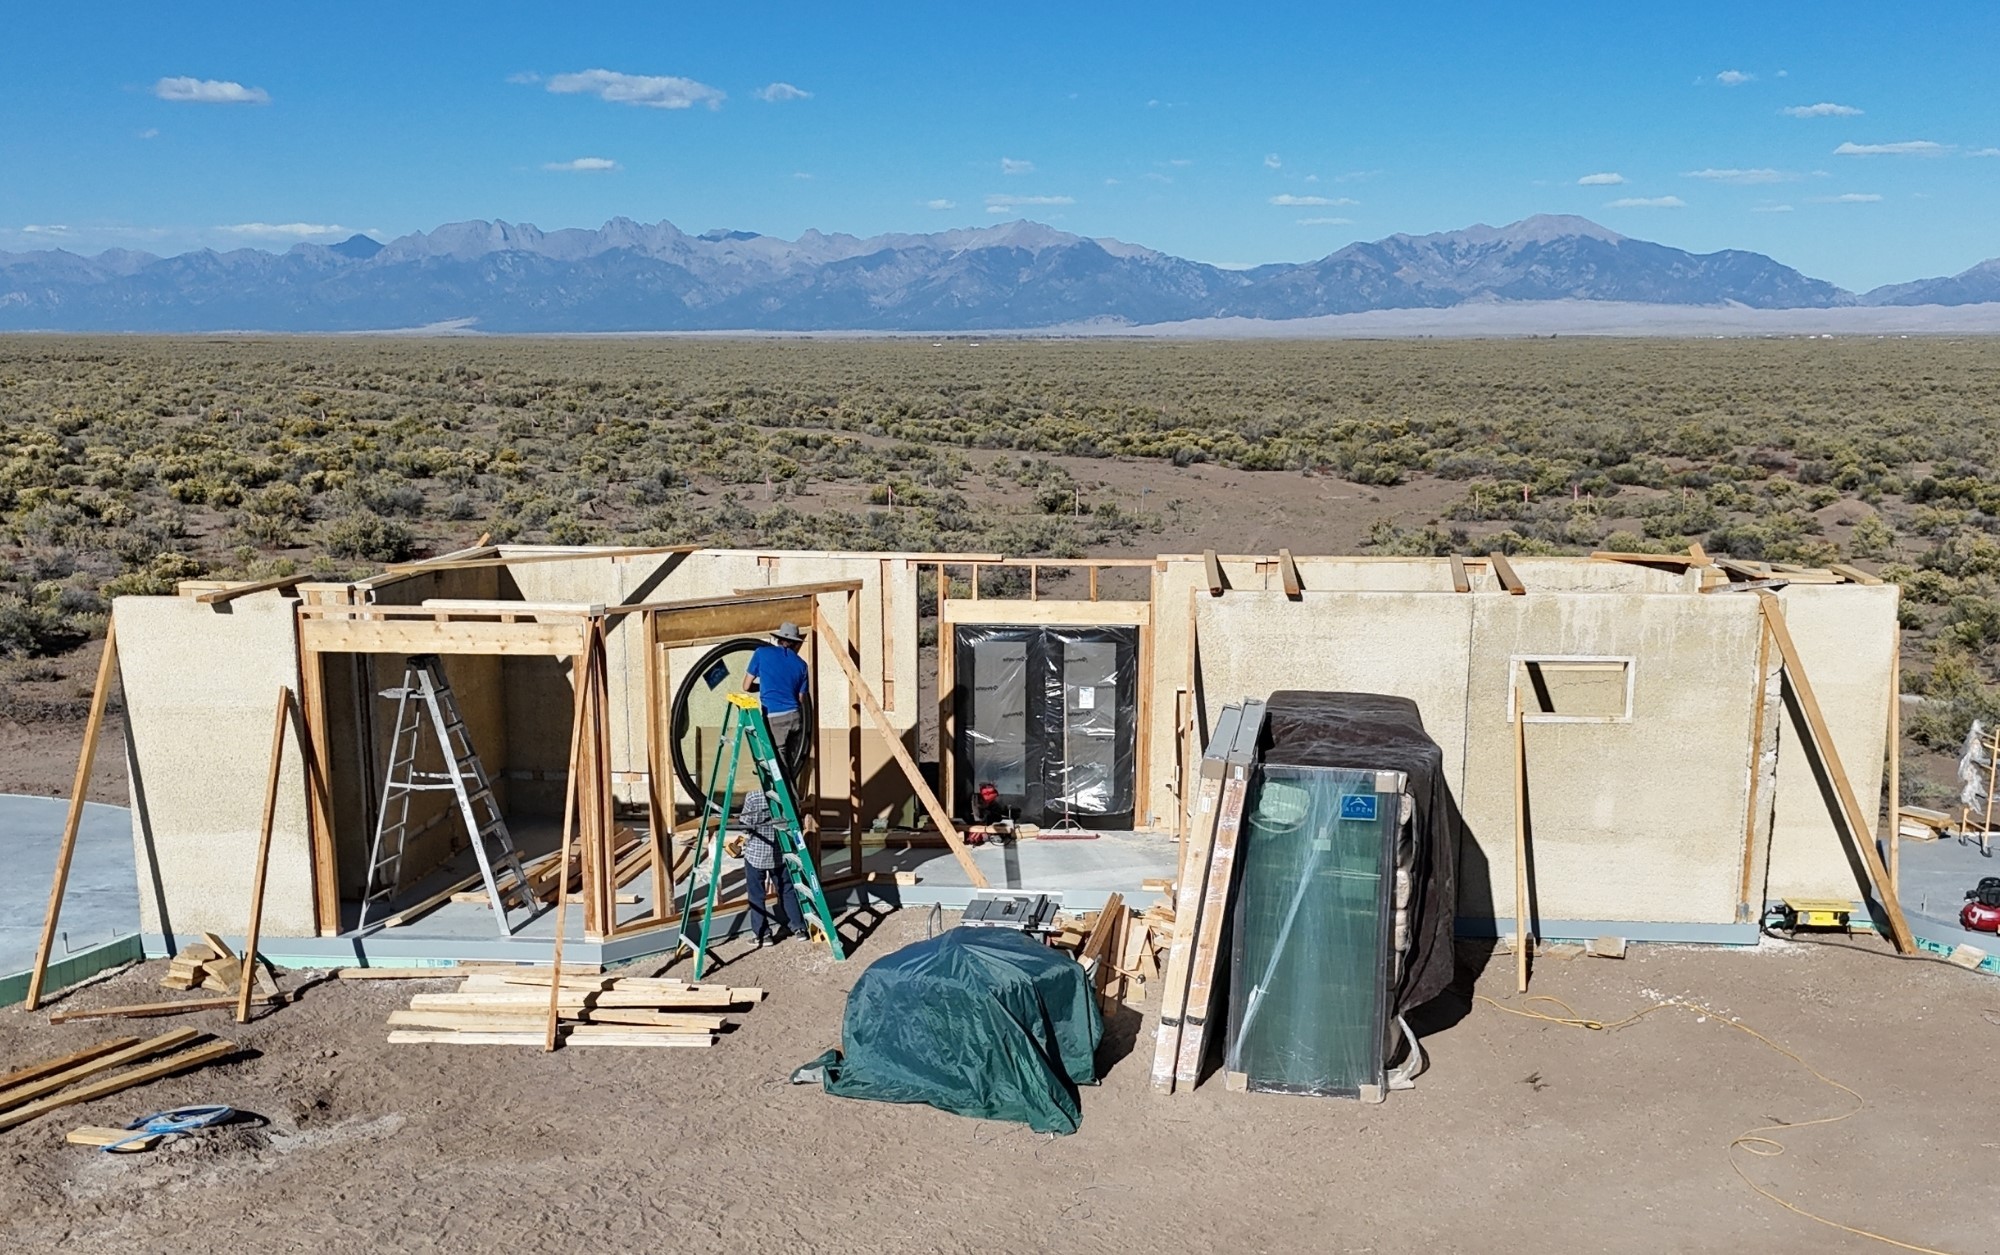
1576, 688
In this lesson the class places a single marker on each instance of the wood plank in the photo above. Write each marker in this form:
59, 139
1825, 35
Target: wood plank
53, 1081
107, 671
100, 1137
802, 590
398, 973
1288, 575
152, 1010
1461, 582
527, 559
48, 1067
571, 804
1523, 938
1192, 880
627, 999
1679, 561
1007, 612
897, 750
1209, 942
752, 616
1853, 574
411, 913
261, 871
428, 636
1503, 570
1211, 565
1822, 740
447, 1037
231, 593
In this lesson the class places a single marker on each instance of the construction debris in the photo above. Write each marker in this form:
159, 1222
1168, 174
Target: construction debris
510, 1008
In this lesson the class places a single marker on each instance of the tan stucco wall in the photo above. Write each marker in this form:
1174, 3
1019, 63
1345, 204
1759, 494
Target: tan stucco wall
201, 690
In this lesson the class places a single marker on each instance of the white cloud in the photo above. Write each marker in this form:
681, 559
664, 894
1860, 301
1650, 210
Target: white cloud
1002, 202
1326, 222
940, 203
1902, 148
1734, 78
1849, 198
1742, 178
285, 230
1356, 176
1646, 202
1984, 152
151, 132
583, 165
1014, 165
1824, 109
35, 228
1770, 209
779, 93
525, 76
1154, 176
1180, 161
1288, 201
802, 174
1606, 179
1271, 161
210, 91
654, 91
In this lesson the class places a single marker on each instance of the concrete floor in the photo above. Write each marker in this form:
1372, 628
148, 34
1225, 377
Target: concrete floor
1935, 876
102, 903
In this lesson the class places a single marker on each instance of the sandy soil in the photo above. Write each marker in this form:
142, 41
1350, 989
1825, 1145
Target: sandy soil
1523, 1136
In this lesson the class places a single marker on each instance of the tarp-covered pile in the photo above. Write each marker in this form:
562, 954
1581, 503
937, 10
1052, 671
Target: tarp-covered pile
983, 1022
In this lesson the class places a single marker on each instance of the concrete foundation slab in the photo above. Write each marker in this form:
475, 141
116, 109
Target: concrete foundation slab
1934, 876
102, 905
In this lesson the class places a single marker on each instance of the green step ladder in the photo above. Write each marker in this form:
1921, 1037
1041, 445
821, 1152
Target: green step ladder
744, 724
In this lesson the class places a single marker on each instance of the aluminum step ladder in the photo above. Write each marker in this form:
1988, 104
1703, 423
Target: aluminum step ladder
745, 726
424, 701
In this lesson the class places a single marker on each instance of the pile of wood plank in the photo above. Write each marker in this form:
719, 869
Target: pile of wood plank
210, 964
511, 1008
1124, 951
92, 1073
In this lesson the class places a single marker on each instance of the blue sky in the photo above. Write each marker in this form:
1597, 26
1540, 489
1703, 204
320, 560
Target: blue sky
1230, 133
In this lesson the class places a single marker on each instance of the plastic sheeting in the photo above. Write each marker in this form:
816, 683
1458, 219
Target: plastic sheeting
1975, 771
1049, 717
1345, 910
983, 1022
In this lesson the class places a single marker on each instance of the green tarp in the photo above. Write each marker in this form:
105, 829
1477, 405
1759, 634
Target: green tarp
983, 1022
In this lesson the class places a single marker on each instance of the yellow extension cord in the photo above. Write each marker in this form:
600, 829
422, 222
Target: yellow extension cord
1752, 1141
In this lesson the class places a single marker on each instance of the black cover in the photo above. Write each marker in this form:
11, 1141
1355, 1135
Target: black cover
1375, 732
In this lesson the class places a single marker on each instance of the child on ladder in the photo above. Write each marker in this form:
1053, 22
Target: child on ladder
760, 864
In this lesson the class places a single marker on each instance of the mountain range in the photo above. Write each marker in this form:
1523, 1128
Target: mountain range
632, 276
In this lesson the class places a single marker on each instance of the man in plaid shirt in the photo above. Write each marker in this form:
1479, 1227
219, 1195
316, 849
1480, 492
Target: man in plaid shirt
760, 864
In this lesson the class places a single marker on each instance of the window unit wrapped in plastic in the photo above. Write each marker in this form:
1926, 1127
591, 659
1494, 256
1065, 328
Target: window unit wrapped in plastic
1343, 910
1049, 717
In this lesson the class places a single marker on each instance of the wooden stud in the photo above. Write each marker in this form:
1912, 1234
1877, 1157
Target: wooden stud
659, 789
1822, 740
1460, 581
1896, 764
49, 1082
947, 694
260, 873
1503, 570
1288, 571
319, 798
1212, 565
107, 671
220, 595
570, 807
854, 770
154, 1010
1522, 943
901, 753
1093, 583
49, 1067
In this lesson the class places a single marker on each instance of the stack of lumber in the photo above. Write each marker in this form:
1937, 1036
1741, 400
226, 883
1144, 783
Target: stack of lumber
511, 1008
1122, 950
210, 964
94, 1072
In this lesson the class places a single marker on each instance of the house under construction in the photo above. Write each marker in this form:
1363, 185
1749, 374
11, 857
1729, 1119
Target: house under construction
1676, 783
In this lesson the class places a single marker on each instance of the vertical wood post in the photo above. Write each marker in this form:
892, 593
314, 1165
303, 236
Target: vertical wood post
571, 808
854, 769
1522, 943
253, 930
1896, 764
107, 671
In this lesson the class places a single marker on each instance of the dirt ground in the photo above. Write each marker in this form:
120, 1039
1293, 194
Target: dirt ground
1522, 1136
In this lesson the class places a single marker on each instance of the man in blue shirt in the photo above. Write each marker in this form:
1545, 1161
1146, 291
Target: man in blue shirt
778, 676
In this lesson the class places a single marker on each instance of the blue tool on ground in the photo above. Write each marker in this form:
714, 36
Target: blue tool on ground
179, 1120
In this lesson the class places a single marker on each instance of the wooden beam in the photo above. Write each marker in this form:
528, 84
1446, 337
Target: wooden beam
1679, 560
1821, 738
499, 560
1212, 566
107, 671
1460, 581
1522, 938
1288, 572
50, 1082
120, 1081
220, 595
154, 1010
428, 636
489, 606
1049, 610
48, 1067
570, 807
1896, 765
1853, 574
897, 750
247, 980
1503, 570
802, 590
